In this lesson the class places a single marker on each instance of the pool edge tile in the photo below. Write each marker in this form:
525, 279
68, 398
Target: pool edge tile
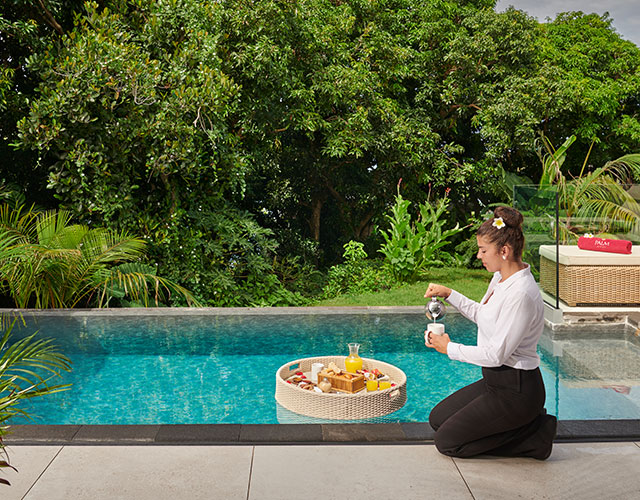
41, 434
215, 311
359, 433
198, 434
248, 434
280, 433
116, 434
417, 431
598, 430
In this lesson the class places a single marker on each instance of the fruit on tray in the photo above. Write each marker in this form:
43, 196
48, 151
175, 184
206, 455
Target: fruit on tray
374, 374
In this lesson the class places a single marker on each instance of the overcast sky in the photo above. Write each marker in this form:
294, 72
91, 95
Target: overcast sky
625, 13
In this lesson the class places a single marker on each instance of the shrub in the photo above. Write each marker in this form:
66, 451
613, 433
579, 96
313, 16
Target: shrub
411, 248
357, 274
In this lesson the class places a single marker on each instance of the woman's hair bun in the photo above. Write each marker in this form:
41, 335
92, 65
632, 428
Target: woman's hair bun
508, 234
510, 216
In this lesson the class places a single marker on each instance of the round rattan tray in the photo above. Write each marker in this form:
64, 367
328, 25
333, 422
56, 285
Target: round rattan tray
340, 406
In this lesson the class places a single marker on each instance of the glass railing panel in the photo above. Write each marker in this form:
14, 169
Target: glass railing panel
553, 219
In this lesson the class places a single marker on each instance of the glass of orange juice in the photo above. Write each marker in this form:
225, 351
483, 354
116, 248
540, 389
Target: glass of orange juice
384, 384
372, 385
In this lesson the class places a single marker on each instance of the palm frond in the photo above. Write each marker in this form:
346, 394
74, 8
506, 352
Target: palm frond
27, 367
41, 275
603, 213
69, 237
597, 200
49, 223
28, 353
141, 286
628, 166
597, 184
65, 264
8, 255
18, 222
105, 246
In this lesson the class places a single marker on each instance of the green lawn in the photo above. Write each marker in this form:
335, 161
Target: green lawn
470, 282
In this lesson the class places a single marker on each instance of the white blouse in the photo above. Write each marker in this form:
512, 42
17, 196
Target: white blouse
510, 320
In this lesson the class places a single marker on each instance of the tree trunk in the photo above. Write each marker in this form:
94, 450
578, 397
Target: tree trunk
360, 229
316, 211
364, 228
170, 191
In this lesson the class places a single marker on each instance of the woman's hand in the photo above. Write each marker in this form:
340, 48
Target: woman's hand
438, 342
435, 290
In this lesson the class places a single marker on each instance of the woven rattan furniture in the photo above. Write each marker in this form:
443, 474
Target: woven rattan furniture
591, 278
340, 406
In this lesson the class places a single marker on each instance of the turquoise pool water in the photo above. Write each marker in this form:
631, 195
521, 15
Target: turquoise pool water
221, 369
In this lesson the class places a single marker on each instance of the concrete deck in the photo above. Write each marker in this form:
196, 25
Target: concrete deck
574, 470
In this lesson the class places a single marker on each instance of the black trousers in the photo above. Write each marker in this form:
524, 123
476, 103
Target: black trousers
501, 414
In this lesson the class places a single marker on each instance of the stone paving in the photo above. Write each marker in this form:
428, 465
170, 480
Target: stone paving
588, 470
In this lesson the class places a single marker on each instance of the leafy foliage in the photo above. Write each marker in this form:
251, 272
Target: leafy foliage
327, 107
409, 247
224, 255
357, 274
26, 28
520, 78
134, 119
465, 255
141, 118
57, 264
145, 116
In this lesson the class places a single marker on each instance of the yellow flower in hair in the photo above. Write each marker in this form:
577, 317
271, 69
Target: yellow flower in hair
498, 222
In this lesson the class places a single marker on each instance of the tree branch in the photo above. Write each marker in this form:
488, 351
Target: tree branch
50, 20
472, 105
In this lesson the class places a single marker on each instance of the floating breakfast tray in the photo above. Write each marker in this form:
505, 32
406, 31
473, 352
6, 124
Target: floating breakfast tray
340, 406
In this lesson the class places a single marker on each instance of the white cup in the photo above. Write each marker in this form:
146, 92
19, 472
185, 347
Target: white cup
436, 328
315, 369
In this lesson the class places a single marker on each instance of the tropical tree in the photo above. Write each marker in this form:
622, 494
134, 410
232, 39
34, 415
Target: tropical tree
511, 78
135, 115
596, 200
186, 120
26, 28
27, 367
339, 100
57, 264
137, 123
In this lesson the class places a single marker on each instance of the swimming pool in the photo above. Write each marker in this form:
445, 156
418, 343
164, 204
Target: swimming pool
172, 369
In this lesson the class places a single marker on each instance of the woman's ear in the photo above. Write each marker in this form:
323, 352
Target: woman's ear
505, 252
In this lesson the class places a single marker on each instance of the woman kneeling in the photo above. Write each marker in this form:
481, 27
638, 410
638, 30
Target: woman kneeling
503, 413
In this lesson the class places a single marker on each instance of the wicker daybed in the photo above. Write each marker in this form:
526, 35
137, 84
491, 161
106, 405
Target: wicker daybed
591, 278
